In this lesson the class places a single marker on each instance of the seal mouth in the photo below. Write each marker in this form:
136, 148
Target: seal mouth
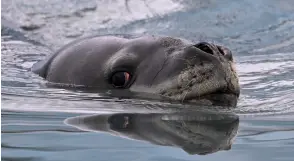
220, 98
219, 92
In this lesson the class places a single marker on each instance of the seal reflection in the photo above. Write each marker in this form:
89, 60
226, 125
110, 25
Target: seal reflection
195, 132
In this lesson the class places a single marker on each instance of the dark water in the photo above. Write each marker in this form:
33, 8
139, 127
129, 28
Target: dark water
42, 123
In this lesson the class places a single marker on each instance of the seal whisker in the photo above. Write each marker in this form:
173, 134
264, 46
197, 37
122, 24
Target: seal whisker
186, 91
184, 97
186, 60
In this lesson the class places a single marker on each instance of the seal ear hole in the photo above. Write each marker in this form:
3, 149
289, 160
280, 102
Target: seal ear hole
204, 47
120, 79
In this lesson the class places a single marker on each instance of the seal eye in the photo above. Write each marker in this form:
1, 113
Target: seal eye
120, 79
204, 47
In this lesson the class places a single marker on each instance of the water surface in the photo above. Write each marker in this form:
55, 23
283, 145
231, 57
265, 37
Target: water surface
44, 123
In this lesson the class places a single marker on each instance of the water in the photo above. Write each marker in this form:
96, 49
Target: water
44, 123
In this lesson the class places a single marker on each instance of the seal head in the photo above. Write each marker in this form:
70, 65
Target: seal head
173, 68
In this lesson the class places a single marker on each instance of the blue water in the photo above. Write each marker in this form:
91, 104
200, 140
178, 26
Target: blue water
44, 123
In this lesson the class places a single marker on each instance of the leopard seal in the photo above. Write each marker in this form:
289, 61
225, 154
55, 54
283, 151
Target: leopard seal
170, 67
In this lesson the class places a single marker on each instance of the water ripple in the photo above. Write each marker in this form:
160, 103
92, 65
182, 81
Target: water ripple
260, 33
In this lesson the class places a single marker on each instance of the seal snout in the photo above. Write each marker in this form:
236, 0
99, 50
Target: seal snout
209, 77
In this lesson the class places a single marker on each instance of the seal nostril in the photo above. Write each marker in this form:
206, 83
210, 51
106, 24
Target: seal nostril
226, 52
204, 47
229, 56
220, 50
